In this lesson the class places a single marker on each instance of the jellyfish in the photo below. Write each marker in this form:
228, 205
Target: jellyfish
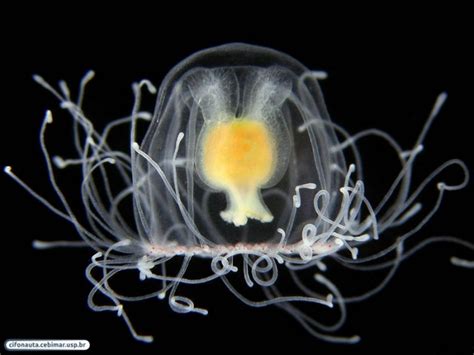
240, 167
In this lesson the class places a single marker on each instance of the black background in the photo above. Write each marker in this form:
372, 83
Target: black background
384, 71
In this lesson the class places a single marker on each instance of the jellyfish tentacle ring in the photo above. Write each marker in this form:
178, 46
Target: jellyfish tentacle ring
241, 168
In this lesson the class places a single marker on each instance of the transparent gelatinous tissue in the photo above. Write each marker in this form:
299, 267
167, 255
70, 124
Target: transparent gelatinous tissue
242, 167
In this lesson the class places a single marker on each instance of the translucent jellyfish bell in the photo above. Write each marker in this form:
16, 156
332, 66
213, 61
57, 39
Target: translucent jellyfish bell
226, 124
242, 167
